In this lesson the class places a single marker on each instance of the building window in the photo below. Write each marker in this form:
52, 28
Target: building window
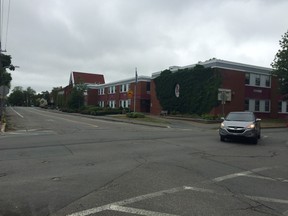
257, 80
261, 80
267, 81
101, 104
279, 106
124, 103
246, 108
101, 91
148, 86
124, 88
112, 89
257, 105
247, 78
267, 106
112, 104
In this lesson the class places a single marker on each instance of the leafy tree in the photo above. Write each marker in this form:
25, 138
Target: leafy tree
46, 96
76, 98
17, 97
57, 99
29, 96
280, 64
21, 97
5, 77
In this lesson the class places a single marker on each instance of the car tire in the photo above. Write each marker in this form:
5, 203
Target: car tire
255, 140
222, 138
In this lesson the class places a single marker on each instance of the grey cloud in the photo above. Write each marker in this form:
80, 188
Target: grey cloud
52, 38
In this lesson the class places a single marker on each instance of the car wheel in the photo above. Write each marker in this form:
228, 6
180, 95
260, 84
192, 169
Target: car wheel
222, 139
255, 140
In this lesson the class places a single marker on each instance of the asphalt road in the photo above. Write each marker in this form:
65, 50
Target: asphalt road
61, 164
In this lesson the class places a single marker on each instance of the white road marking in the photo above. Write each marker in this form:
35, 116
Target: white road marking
137, 211
149, 196
90, 211
199, 189
266, 199
17, 112
119, 206
257, 198
127, 201
234, 175
267, 178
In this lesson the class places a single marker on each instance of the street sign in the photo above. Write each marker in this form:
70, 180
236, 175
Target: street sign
130, 94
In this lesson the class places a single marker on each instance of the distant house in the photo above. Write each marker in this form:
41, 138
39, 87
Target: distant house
85, 78
77, 78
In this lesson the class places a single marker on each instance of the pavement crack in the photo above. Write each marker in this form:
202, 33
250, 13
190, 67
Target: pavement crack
107, 185
68, 149
259, 205
253, 205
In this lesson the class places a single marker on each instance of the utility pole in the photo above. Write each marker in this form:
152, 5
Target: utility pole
1, 67
135, 88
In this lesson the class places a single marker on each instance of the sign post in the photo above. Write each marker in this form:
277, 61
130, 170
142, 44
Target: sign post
224, 95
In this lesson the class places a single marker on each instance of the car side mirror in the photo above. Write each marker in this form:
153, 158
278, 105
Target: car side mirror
258, 119
222, 118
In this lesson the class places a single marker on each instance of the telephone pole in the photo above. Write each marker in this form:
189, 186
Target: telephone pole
1, 67
135, 88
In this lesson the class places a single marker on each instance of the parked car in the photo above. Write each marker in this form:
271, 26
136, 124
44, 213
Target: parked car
240, 125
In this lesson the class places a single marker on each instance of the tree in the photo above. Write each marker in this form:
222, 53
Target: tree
17, 97
57, 98
21, 97
76, 98
29, 96
280, 64
5, 77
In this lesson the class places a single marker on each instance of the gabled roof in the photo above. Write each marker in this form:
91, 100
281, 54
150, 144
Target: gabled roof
87, 78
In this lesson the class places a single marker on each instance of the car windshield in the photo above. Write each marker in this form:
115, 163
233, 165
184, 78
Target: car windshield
240, 117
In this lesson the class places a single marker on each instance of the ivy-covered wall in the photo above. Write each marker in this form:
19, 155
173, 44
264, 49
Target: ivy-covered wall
198, 90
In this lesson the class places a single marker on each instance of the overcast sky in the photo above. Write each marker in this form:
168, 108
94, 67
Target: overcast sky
49, 39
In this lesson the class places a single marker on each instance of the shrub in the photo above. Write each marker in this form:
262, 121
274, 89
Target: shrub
210, 117
135, 115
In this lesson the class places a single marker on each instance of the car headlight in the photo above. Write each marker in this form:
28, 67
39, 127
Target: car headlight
222, 125
251, 126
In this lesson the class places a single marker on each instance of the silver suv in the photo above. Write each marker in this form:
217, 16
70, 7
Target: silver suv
240, 124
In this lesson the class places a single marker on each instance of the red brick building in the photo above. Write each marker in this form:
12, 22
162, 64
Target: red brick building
125, 94
88, 79
244, 88
77, 78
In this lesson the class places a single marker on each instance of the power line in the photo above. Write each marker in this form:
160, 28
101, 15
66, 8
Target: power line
7, 24
1, 21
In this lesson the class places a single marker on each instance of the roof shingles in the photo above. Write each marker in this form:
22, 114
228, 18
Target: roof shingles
87, 78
